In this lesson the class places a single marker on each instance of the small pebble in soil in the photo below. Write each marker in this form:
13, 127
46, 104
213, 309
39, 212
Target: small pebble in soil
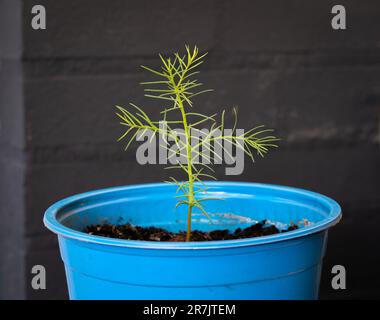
130, 232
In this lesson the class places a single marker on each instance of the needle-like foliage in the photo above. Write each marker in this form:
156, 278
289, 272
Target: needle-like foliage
176, 86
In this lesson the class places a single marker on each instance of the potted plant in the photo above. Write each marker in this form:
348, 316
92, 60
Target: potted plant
192, 239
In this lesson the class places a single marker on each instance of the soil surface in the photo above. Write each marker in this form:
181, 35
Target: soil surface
130, 232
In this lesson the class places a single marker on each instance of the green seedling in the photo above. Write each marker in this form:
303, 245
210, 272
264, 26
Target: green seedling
175, 86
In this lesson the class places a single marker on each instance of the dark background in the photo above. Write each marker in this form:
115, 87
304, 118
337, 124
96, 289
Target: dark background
279, 61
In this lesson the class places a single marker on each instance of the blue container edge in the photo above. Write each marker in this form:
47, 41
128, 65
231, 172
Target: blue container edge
51, 222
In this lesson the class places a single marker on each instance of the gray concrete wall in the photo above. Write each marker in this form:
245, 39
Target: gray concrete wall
12, 153
279, 61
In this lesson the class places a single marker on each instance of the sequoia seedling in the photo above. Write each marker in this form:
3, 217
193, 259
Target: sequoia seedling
176, 86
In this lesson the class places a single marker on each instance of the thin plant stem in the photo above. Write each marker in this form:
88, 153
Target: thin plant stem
189, 168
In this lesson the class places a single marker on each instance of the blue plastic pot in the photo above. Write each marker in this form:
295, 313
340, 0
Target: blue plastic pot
282, 266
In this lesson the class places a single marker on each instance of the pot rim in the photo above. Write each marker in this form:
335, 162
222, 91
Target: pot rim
51, 222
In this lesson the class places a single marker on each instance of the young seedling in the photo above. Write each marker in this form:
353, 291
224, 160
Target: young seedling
176, 86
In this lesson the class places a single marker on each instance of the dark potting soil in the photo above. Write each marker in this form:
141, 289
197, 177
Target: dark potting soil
130, 232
